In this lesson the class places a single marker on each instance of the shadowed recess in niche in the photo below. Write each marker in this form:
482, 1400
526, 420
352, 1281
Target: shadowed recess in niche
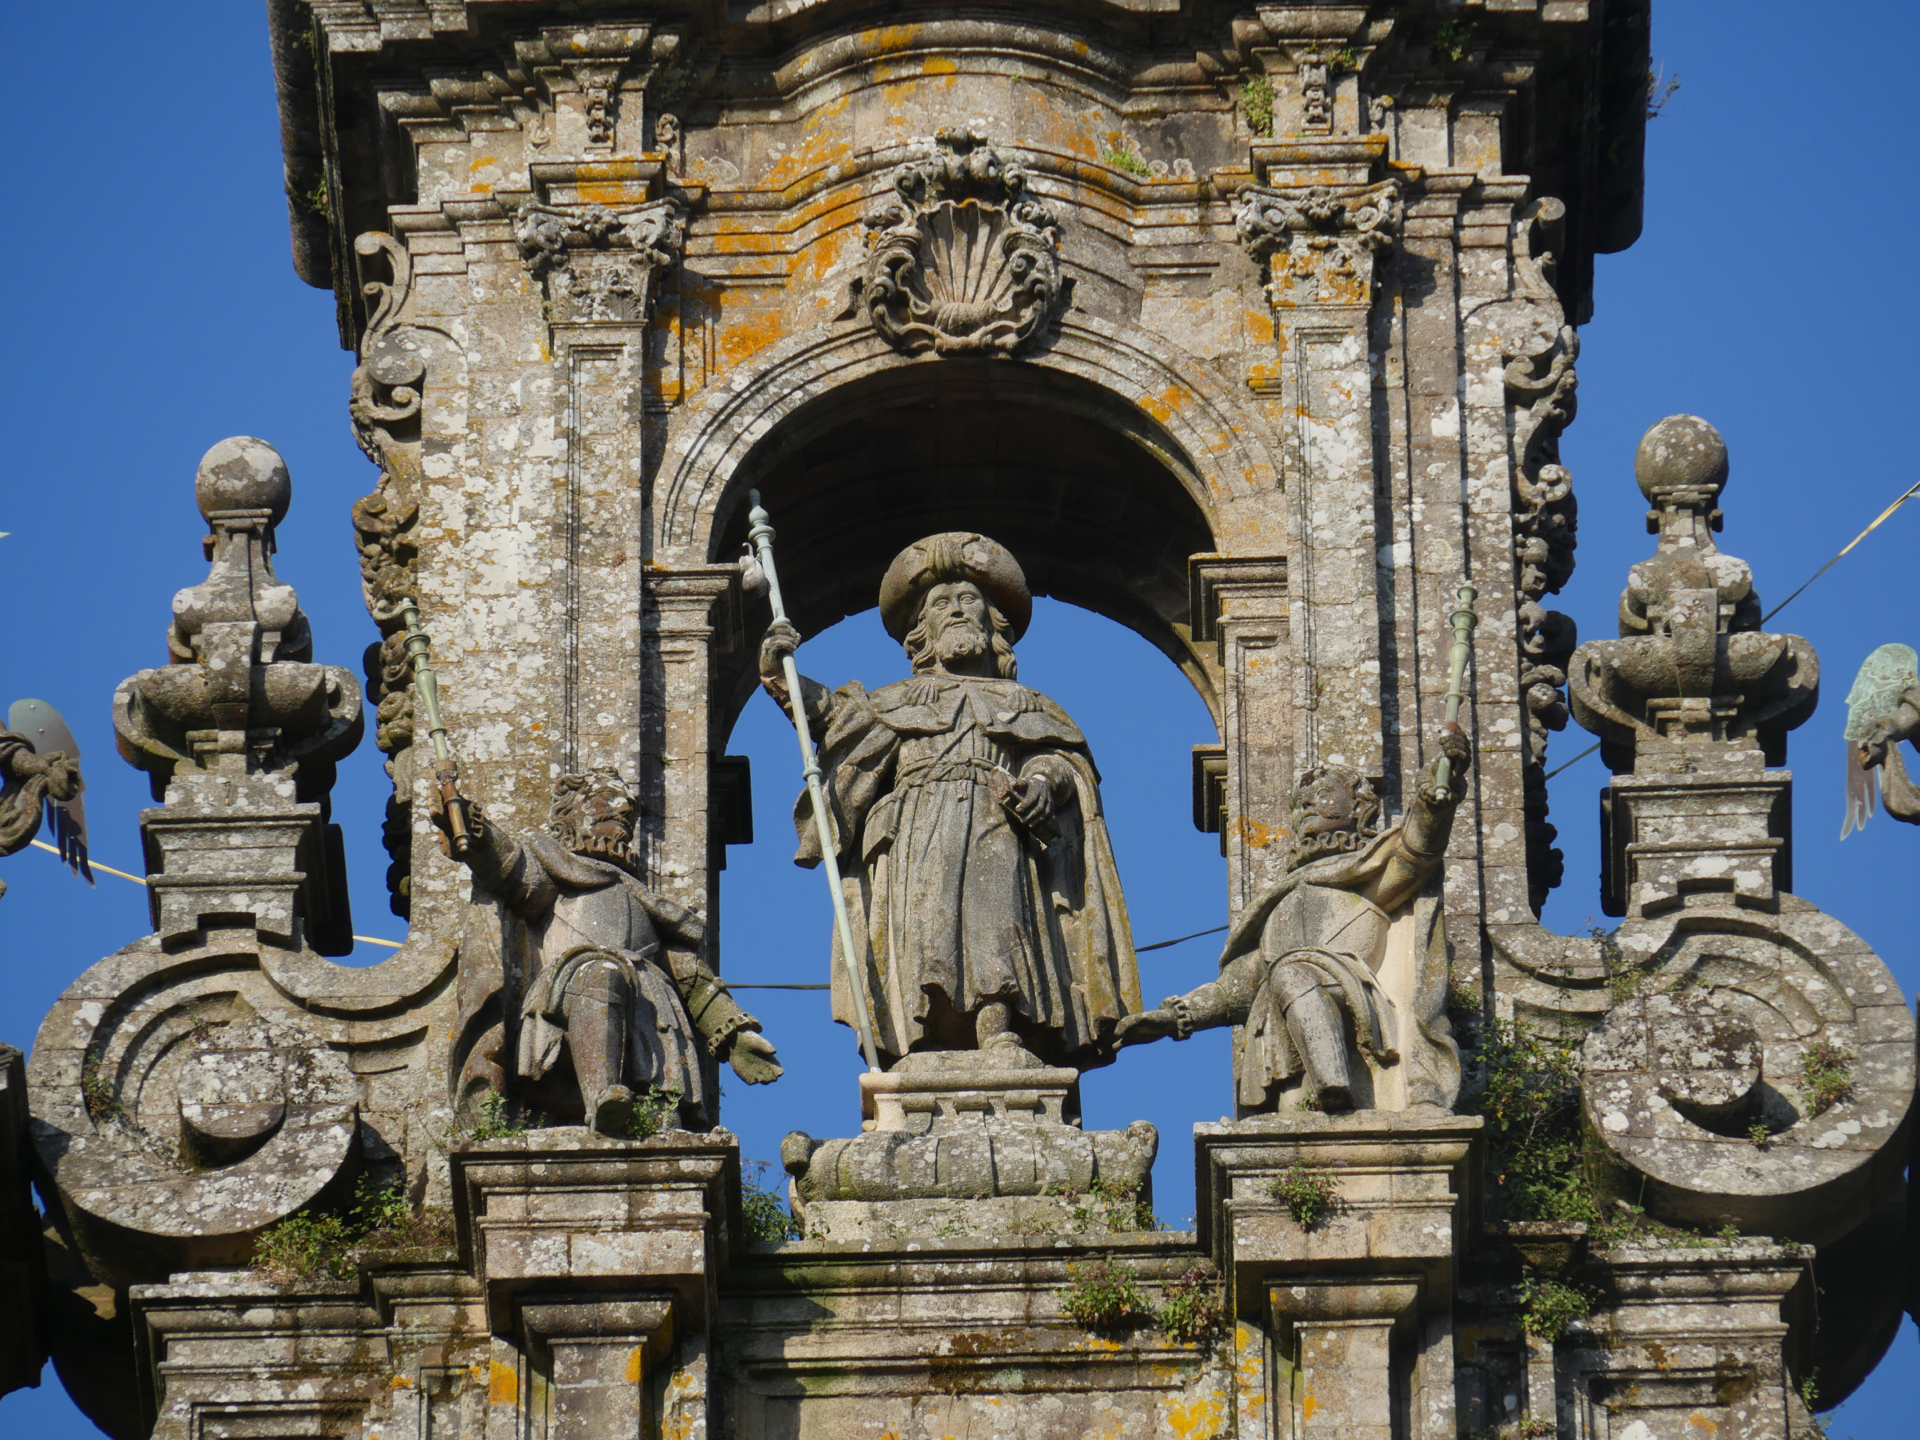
1092, 497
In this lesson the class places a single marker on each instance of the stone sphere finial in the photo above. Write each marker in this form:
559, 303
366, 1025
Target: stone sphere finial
1680, 457
243, 473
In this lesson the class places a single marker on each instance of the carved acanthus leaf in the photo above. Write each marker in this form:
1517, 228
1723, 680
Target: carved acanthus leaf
1319, 242
961, 259
599, 265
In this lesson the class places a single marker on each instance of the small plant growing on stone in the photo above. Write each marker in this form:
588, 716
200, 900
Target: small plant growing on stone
1624, 977
305, 1247
762, 1211
1826, 1075
653, 1111
1661, 88
1530, 1100
97, 1093
1759, 1135
314, 1246
1105, 1295
1257, 98
1452, 39
492, 1120
1193, 1305
1125, 157
1309, 1195
1548, 1306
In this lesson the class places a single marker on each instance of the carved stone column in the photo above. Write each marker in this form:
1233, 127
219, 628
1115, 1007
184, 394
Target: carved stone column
1319, 223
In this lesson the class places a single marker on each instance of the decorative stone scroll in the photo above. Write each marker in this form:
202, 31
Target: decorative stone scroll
385, 407
1320, 243
599, 265
1538, 348
962, 260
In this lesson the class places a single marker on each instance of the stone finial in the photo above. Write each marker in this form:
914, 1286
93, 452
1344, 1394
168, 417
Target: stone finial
239, 696
241, 732
1693, 665
242, 473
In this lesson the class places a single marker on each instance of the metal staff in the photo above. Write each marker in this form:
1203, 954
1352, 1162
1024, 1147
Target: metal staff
459, 828
760, 535
1457, 657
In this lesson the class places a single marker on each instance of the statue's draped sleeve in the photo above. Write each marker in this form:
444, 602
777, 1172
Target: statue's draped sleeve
1430, 1054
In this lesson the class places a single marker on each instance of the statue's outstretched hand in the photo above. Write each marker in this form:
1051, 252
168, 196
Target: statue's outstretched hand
437, 811
1144, 1025
781, 641
752, 1058
1458, 750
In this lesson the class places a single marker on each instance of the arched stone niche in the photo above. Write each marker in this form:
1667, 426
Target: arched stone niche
1117, 471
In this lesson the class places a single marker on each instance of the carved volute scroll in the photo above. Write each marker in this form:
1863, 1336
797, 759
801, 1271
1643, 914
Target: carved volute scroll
1538, 348
962, 260
384, 403
600, 266
1320, 243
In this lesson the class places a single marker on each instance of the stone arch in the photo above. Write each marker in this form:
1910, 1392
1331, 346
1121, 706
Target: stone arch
1104, 462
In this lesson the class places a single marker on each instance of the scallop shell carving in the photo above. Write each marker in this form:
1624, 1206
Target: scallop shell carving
961, 260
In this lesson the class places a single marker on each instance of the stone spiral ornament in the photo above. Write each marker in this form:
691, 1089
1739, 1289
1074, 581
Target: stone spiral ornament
961, 261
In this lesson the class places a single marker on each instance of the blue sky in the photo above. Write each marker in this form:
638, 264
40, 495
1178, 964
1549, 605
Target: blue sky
155, 310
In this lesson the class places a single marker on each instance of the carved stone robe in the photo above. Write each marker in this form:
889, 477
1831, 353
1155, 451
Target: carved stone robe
1389, 970
560, 910
953, 900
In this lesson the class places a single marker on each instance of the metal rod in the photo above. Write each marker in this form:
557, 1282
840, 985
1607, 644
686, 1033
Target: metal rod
760, 535
419, 649
1457, 658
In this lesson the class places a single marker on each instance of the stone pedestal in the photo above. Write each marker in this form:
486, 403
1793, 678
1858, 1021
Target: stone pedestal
1359, 1303
1691, 826
602, 1258
1697, 1343
966, 1142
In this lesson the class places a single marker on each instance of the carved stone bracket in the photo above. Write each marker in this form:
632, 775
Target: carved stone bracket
1320, 242
600, 265
962, 260
1538, 349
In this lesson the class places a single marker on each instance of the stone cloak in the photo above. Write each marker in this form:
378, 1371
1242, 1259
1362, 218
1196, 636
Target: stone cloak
1080, 975
1423, 1044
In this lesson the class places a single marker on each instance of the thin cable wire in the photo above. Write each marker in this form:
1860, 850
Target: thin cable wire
42, 845
1911, 491
1179, 940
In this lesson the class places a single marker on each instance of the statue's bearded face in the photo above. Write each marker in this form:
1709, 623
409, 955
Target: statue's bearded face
594, 812
955, 616
608, 814
1327, 805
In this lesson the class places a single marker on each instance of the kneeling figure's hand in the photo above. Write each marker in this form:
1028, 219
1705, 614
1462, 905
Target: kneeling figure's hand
752, 1058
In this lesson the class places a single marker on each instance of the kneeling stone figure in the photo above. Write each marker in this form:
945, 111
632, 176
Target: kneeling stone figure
1339, 971
584, 940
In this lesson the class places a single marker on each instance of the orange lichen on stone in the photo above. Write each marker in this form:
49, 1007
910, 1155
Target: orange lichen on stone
749, 334
503, 1385
1199, 1419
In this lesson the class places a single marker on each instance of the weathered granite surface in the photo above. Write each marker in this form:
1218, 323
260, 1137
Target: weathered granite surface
1250, 328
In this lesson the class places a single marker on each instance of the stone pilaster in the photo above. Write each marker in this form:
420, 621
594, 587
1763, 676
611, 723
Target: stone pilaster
695, 615
601, 1260
1242, 603
1694, 1343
